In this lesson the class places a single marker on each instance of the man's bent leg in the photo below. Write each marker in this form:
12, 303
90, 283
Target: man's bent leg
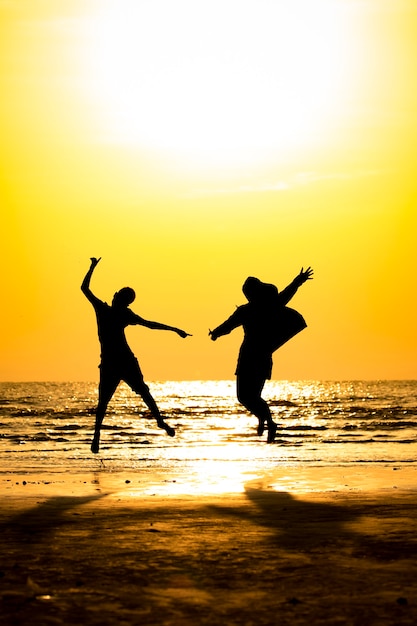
151, 404
107, 387
249, 389
95, 444
135, 380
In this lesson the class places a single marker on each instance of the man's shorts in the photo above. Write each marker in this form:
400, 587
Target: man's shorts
111, 374
254, 364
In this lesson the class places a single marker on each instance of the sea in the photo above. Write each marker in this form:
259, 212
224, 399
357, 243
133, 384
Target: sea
47, 427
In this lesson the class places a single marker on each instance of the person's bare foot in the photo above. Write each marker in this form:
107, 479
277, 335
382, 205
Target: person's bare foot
168, 429
95, 446
272, 431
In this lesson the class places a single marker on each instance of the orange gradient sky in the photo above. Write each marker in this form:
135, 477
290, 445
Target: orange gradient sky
191, 144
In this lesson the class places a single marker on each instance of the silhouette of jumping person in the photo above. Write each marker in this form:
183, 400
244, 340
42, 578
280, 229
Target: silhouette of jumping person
118, 363
267, 324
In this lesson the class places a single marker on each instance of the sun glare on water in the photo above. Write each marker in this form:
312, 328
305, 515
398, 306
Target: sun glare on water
218, 83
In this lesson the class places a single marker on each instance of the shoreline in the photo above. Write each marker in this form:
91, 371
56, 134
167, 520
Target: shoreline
207, 478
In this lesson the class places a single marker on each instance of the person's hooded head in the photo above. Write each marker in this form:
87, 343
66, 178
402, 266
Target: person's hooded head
124, 297
257, 291
252, 288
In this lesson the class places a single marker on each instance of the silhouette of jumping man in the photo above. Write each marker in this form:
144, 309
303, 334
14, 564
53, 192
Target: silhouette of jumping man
118, 363
267, 324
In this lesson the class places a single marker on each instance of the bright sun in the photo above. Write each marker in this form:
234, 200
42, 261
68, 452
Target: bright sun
218, 83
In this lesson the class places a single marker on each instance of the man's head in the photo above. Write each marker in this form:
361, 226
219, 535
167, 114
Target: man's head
257, 291
251, 288
124, 297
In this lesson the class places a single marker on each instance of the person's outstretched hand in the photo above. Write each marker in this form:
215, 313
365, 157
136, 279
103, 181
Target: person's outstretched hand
305, 275
94, 261
183, 334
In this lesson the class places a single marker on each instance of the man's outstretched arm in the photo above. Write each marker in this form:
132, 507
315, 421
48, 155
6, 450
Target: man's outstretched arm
230, 324
85, 285
286, 294
159, 326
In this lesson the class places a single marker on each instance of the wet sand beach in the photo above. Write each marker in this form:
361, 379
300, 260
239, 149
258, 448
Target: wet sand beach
316, 545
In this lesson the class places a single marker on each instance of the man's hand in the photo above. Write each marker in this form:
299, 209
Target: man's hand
182, 333
305, 275
212, 336
94, 261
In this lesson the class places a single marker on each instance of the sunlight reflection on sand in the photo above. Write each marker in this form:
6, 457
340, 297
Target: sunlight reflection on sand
216, 478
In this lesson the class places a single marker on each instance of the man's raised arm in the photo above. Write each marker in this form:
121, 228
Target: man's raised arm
85, 285
286, 294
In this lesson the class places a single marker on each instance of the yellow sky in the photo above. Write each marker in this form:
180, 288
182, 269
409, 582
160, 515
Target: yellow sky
191, 144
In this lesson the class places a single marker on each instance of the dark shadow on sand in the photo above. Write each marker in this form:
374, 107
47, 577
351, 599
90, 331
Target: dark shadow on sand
298, 525
269, 558
40, 521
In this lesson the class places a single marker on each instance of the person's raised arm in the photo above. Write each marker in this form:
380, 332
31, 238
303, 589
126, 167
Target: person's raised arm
158, 326
85, 285
286, 294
